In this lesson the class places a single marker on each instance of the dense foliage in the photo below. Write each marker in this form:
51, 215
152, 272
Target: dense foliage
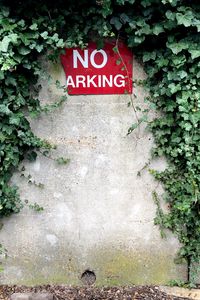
164, 35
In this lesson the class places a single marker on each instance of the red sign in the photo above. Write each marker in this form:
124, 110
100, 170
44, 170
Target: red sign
105, 71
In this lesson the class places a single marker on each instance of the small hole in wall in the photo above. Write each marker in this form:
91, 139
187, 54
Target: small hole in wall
88, 277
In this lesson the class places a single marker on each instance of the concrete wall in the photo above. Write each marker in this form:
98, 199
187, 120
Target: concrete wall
98, 214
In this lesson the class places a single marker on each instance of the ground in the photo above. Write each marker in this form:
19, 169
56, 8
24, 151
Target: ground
63, 292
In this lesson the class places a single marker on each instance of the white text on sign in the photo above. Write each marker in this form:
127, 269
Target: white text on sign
95, 80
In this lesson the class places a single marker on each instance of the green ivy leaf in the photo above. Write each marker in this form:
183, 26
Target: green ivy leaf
187, 126
116, 22
170, 15
4, 44
63, 161
44, 35
15, 119
24, 50
185, 19
4, 109
34, 26
157, 29
194, 53
31, 156
39, 48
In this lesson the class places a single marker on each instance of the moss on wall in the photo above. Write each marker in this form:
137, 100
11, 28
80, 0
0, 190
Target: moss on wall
111, 266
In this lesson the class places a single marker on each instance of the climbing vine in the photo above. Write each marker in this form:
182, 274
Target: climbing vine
164, 36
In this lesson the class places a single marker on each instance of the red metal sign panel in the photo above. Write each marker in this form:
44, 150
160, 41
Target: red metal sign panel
105, 71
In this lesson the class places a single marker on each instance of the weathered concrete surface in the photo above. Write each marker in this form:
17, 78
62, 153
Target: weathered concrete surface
98, 214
